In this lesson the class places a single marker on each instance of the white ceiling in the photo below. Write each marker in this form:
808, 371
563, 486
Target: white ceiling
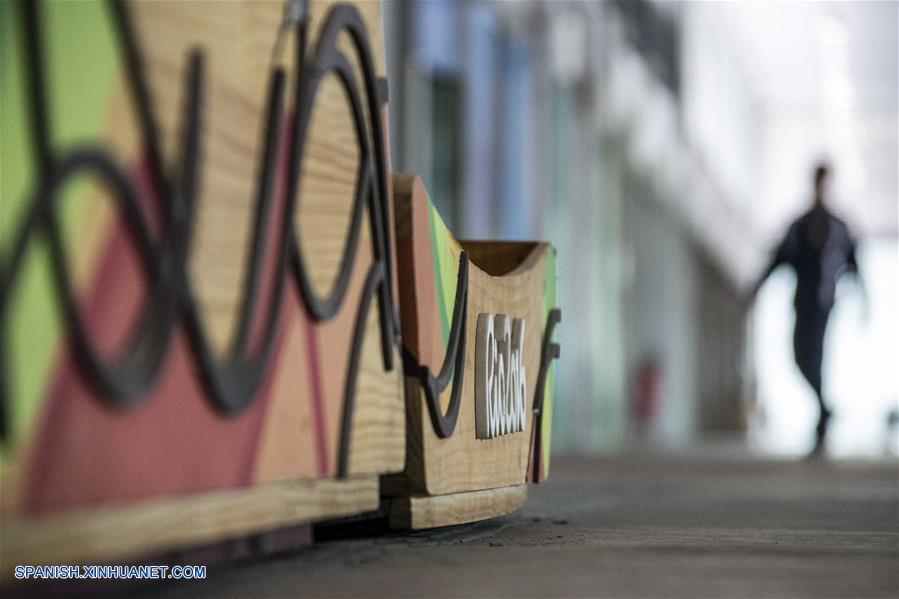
824, 75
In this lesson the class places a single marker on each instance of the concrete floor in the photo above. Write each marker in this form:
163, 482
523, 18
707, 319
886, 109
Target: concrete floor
625, 526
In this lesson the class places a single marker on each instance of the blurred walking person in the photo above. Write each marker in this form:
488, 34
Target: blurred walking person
819, 248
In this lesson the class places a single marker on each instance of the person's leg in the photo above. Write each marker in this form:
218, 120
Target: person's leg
808, 347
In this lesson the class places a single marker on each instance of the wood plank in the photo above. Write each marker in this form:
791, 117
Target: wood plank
425, 511
463, 462
98, 534
298, 427
119, 133
237, 48
98, 516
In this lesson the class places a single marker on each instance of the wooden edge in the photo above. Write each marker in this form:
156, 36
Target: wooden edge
98, 535
423, 511
504, 258
495, 258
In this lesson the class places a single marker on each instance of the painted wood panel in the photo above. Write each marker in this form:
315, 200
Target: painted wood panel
78, 449
515, 279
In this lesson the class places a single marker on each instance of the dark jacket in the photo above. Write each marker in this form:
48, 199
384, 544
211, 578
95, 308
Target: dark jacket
819, 247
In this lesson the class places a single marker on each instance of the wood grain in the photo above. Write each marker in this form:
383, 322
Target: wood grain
236, 40
237, 48
105, 533
237, 45
463, 462
288, 445
424, 511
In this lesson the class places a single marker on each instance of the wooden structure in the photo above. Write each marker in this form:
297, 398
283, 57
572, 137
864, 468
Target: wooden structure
444, 286
206, 269
265, 358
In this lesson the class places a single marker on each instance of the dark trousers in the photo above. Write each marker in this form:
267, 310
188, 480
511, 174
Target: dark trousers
808, 348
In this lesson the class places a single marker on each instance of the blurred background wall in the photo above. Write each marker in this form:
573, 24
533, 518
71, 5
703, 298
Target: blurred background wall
664, 147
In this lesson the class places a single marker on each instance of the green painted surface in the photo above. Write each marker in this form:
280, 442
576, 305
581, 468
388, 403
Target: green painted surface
81, 62
446, 268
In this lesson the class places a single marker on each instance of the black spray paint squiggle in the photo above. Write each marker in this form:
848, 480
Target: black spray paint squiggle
231, 382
